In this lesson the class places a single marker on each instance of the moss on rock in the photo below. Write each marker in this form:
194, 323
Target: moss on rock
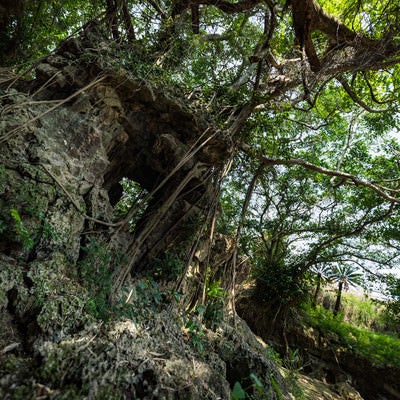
61, 299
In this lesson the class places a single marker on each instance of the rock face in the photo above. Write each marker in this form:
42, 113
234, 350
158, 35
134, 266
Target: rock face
75, 319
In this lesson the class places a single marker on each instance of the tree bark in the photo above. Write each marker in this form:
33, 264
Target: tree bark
338, 298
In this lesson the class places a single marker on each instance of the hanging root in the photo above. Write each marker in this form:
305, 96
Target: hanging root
136, 248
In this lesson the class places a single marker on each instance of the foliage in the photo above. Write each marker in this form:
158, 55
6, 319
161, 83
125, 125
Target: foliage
392, 311
132, 195
29, 228
364, 313
379, 348
318, 114
292, 364
210, 314
24, 210
20, 229
257, 390
316, 107
30, 29
215, 302
97, 268
168, 267
193, 322
322, 275
96, 271
318, 121
296, 223
345, 276
142, 297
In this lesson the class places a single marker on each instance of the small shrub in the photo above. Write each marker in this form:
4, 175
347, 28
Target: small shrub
20, 229
168, 267
215, 301
193, 323
96, 269
257, 390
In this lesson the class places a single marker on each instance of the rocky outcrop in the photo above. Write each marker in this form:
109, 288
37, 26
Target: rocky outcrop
82, 315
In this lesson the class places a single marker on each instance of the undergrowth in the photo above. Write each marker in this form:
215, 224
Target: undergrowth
360, 312
379, 348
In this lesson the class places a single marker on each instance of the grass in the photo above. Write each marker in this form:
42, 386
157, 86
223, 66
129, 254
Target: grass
358, 311
379, 348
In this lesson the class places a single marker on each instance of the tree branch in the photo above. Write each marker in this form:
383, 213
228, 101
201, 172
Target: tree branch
157, 7
228, 7
346, 177
371, 90
128, 21
332, 239
355, 98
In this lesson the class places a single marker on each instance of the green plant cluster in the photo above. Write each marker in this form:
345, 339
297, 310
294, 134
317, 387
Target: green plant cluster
23, 208
21, 230
143, 297
193, 322
168, 267
97, 268
210, 314
132, 195
379, 348
392, 312
96, 272
215, 303
362, 313
257, 390
292, 364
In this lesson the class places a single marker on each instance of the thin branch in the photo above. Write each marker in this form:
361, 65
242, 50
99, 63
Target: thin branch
356, 231
308, 126
355, 98
388, 180
157, 7
346, 148
371, 90
346, 177
228, 7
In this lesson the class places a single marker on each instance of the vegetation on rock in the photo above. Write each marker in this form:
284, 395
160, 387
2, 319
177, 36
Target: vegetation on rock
164, 162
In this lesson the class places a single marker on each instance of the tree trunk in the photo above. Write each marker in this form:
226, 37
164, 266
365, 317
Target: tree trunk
338, 298
317, 289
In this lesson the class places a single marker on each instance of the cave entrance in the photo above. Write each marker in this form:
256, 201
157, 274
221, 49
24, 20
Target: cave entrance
126, 194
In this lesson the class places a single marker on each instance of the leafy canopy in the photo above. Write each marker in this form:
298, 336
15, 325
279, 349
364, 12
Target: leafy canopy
306, 91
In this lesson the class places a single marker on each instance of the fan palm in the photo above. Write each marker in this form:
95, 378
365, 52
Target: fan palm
345, 276
323, 274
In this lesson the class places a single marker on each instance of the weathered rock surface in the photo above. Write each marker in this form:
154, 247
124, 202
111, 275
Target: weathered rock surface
79, 127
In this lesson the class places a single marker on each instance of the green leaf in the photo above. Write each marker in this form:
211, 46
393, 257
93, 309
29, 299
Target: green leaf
237, 392
15, 214
256, 381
